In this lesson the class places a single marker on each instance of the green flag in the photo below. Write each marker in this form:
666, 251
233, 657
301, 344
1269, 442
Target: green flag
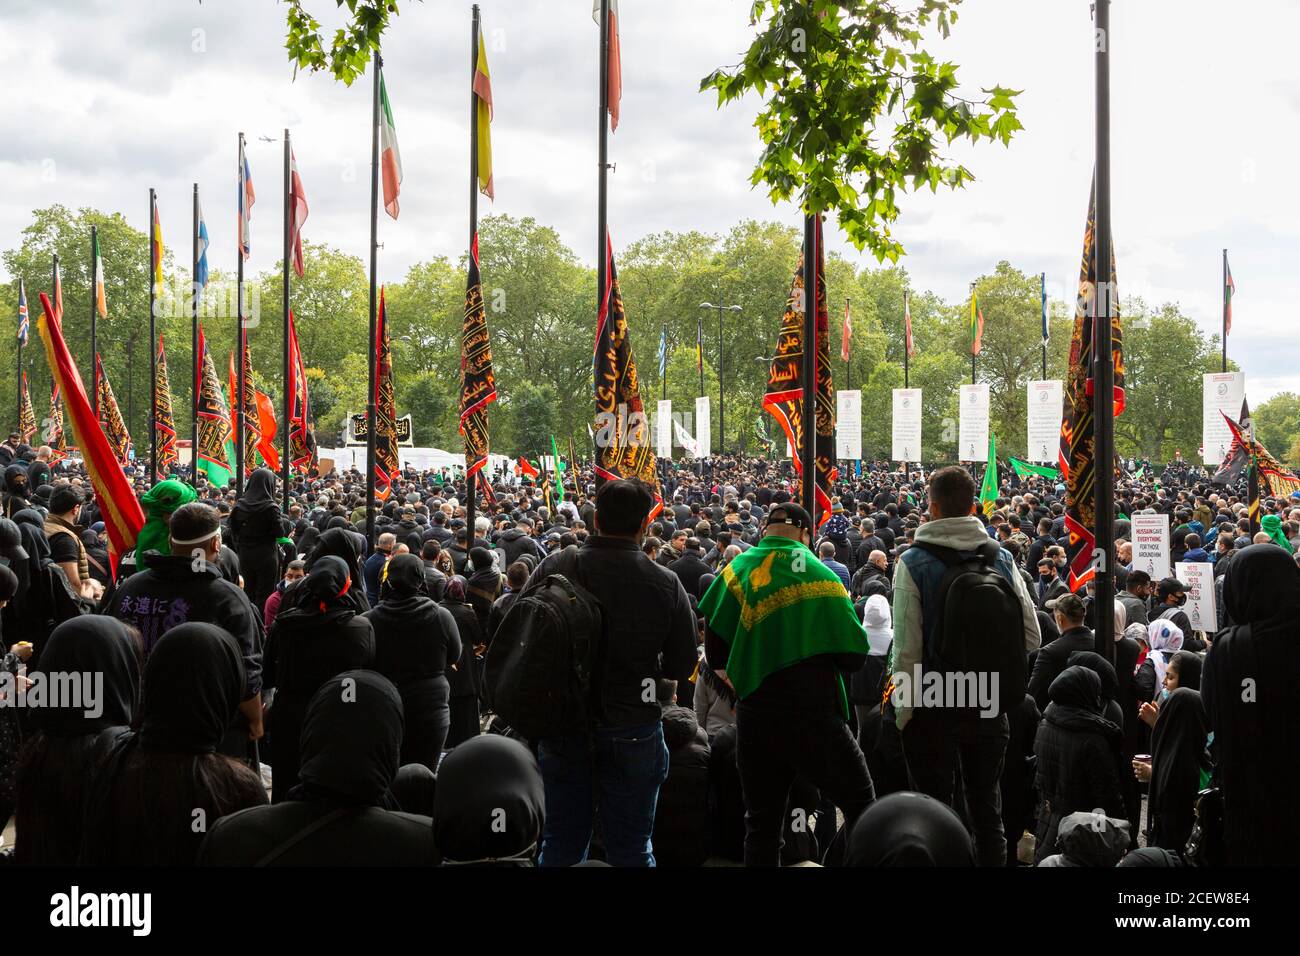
989, 489
1024, 469
559, 470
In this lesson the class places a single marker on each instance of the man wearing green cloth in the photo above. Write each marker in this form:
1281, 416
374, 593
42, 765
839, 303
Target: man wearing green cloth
158, 503
783, 629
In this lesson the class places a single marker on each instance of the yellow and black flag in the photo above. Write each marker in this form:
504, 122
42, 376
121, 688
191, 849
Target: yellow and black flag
1078, 432
784, 398
110, 417
26, 416
387, 463
478, 387
58, 435
252, 419
214, 456
622, 432
164, 423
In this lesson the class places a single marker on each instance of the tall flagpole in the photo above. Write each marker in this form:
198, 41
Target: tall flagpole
287, 404
1043, 290
1225, 310
907, 344
238, 397
1103, 394
374, 266
808, 453
974, 332
153, 337
195, 292
471, 480
94, 310
602, 167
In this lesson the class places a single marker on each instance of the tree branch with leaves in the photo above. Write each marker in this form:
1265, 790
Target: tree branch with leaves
350, 50
855, 108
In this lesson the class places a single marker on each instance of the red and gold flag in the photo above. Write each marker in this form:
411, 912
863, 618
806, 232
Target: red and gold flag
164, 423
477, 380
387, 464
110, 416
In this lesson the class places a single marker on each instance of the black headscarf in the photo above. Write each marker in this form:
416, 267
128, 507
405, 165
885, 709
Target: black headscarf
1077, 686
351, 741
1177, 746
259, 493
1103, 668
1189, 669
909, 829
480, 780
93, 645
1262, 587
325, 594
193, 683
405, 580
339, 543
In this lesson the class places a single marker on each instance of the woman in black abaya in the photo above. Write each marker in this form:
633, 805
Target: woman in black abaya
339, 543
415, 642
67, 744
342, 811
1248, 685
463, 677
319, 636
160, 789
256, 524
1177, 758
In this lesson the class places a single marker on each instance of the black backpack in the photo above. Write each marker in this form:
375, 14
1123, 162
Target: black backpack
541, 670
981, 627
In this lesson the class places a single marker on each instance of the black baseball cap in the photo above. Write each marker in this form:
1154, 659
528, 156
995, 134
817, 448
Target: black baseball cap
789, 513
1171, 586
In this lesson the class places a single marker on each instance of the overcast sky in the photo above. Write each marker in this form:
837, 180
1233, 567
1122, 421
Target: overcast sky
107, 98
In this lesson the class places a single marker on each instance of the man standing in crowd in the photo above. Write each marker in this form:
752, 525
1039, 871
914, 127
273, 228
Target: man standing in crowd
782, 633
650, 633
940, 742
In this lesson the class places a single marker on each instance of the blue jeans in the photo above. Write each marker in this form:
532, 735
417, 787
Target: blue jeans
631, 763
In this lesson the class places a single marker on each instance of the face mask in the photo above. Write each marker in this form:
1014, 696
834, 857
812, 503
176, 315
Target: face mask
1182, 599
1164, 693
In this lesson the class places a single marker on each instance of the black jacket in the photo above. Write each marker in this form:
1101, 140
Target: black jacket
1052, 658
648, 618
171, 592
515, 544
689, 568
1076, 753
681, 828
869, 580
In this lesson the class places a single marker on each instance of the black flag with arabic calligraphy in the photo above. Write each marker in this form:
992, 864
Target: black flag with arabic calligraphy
622, 431
164, 423
784, 398
110, 417
477, 381
1078, 432
387, 464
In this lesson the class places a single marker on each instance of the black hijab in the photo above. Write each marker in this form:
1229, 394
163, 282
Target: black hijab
1077, 686
1189, 669
351, 741
324, 595
1262, 588
193, 683
480, 780
404, 583
259, 493
339, 543
1103, 668
93, 645
909, 829
1177, 746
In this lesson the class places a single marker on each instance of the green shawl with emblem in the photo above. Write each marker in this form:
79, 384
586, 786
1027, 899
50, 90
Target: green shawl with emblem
775, 605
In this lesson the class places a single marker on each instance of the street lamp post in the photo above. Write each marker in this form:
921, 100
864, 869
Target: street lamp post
722, 421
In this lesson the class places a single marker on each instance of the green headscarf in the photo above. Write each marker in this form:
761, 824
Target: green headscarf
1272, 526
159, 502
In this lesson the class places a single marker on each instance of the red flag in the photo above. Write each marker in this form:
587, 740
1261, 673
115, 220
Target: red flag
118, 506
615, 76
907, 324
846, 334
526, 467
297, 212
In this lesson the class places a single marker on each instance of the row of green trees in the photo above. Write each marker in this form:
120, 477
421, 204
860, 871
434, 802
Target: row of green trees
541, 297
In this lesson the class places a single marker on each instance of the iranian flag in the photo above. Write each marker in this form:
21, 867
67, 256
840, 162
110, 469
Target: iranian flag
101, 305
390, 157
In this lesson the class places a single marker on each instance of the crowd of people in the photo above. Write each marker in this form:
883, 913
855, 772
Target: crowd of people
256, 685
